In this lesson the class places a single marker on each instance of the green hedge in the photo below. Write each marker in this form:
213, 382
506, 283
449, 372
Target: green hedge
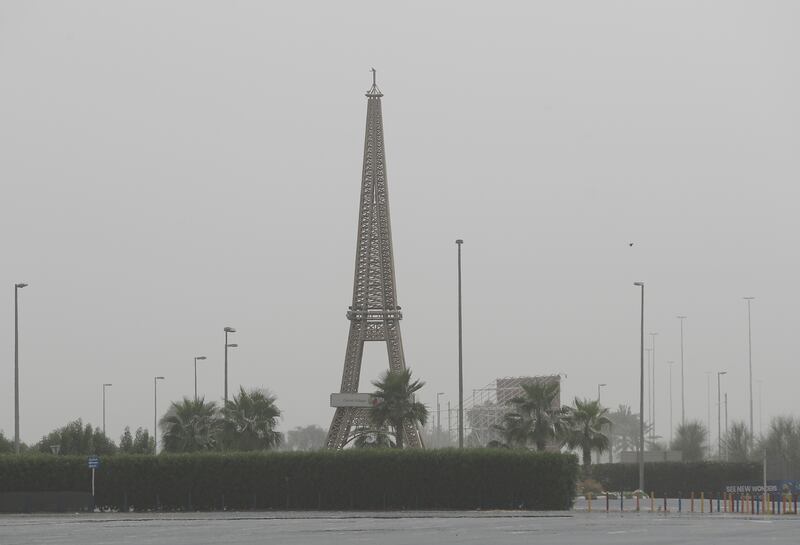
352, 479
676, 478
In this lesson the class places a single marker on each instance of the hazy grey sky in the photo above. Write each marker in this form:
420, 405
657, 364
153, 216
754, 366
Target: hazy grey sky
170, 168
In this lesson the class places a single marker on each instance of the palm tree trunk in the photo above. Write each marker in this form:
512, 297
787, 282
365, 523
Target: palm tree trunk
587, 459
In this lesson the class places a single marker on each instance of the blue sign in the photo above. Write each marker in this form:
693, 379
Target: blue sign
773, 487
94, 462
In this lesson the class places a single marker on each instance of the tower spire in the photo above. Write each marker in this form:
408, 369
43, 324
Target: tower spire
374, 313
374, 92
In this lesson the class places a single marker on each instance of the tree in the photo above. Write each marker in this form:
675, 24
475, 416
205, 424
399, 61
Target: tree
75, 438
782, 445
736, 443
690, 439
585, 422
143, 442
6, 446
306, 438
250, 419
396, 408
536, 417
514, 430
369, 438
126, 441
189, 425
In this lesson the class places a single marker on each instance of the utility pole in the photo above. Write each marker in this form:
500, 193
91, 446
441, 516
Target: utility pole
641, 392
459, 242
750, 363
683, 382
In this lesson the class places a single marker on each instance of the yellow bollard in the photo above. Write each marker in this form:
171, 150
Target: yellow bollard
702, 502
589, 500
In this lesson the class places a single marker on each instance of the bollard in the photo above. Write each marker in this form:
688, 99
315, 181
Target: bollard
621, 500
652, 502
680, 499
666, 510
795, 504
589, 501
637, 503
710, 505
758, 510
702, 502
607, 502
752, 503
718, 504
691, 505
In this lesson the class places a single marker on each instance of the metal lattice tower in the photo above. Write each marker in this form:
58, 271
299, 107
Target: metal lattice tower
374, 314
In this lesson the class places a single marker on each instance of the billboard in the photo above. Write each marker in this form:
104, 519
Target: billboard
353, 399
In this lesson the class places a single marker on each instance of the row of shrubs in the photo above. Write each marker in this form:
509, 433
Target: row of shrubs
353, 479
676, 479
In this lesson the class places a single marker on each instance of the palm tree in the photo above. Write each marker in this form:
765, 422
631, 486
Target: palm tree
395, 407
190, 425
250, 419
736, 443
585, 422
690, 439
537, 416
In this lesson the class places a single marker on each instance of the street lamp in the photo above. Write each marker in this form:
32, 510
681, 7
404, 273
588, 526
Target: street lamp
750, 360
155, 413
195, 375
227, 330
438, 418
106, 385
653, 386
459, 242
641, 392
598, 390
669, 364
649, 393
17, 287
683, 383
719, 415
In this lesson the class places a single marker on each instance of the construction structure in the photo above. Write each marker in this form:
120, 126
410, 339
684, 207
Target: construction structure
374, 313
487, 406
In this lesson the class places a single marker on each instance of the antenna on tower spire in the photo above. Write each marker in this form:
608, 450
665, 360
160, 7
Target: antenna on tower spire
374, 92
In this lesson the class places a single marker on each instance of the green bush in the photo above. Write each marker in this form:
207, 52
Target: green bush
676, 478
352, 479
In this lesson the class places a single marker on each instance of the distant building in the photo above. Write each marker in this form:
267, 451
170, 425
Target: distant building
488, 405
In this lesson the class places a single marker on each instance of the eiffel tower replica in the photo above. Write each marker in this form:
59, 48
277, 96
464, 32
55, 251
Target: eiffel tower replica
374, 314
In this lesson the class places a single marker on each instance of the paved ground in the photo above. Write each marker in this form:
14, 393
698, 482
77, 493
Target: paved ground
425, 528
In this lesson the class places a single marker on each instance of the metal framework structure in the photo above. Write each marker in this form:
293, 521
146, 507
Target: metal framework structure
489, 404
374, 314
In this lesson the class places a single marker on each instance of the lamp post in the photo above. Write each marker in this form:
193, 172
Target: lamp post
708, 411
669, 364
727, 447
17, 287
719, 414
195, 375
760, 409
459, 242
106, 385
683, 383
438, 419
598, 390
155, 413
653, 386
227, 330
649, 393
750, 363
641, 392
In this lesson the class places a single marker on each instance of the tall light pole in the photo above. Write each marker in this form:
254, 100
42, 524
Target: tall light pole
438, 419
155, 413
195, 375
727, 448
598, 390
227, 330
641, 393
708, 410
106, 385
459, 242
649, 394
670, 364
683, 382
750, 361
653, 385
719, 414
760, 409
17, 287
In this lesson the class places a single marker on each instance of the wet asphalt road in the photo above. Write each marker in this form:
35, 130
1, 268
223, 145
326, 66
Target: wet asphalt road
441, 528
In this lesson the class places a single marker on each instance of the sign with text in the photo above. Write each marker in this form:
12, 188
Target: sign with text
773, 487
353, 400
93, 462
